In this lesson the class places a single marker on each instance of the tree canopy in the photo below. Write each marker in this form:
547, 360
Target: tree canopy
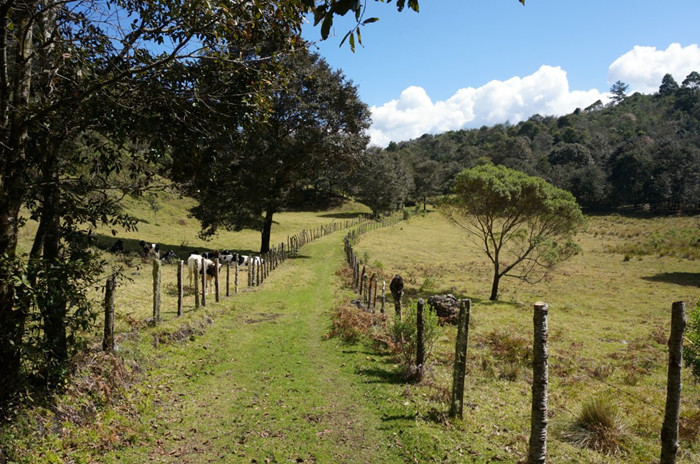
523, 224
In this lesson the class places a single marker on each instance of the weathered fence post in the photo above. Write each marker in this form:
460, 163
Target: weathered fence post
383, 295
108, 339
156, 291
396, 287
420, 340
460, 366
669, 430
180, 289
196, 285
228, 274
235, 278
204, 284
250, 273
538, 420
216, 279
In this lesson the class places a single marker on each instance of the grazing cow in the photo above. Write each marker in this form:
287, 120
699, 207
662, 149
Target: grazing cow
210, 269
194, 264
149, 249
169, 257
117, 247
226, 257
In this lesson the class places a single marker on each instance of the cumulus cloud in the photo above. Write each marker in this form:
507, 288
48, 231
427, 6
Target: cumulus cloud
414, 113
644, 67
545, 92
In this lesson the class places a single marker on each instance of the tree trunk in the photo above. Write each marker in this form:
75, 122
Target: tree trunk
266, 231
53, 306
494, 286
13, 175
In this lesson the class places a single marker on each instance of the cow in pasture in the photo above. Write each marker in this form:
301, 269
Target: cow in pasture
151, 250
117, 247
209, 268
169, 257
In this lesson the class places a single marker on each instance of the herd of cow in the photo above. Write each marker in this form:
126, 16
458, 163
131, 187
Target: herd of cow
197, 263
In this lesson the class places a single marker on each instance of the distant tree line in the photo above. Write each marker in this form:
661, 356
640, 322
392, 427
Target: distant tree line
639, 152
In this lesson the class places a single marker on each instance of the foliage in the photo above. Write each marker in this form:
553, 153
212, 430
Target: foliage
589, 152
404, 332
523, 224
691, 349
314, 130
382, 182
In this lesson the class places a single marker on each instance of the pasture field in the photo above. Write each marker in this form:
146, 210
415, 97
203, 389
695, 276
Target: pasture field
255, 378
609, 321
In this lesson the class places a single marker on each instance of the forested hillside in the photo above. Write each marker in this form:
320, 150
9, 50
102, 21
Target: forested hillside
639, 151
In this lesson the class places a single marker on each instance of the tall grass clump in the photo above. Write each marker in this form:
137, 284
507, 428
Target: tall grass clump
599, 427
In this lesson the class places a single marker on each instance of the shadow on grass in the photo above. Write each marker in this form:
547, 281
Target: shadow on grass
341, 215
131, 246
687, 279
382, 375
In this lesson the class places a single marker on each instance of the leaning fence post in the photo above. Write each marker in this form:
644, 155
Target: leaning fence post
156, 291
538, 420
460, 366
180, 288
669, 430
108, 340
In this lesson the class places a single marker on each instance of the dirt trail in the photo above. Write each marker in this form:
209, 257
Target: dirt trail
263, 384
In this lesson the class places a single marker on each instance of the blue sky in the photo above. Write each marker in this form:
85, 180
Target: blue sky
465, 63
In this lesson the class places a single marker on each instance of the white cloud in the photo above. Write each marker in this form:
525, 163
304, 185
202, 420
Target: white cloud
545, 92
644, 67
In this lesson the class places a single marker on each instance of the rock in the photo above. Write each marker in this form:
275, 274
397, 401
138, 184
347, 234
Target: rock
445, 306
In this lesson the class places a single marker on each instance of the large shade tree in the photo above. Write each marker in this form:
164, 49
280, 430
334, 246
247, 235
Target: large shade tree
523, 224
315, 124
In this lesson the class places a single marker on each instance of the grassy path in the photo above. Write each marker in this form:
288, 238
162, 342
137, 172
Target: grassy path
263, 385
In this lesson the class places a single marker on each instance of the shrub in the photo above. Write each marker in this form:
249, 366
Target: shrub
691, 350
598, 426
351, 324
405, 336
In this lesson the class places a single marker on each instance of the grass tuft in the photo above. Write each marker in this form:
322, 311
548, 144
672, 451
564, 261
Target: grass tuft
599, 427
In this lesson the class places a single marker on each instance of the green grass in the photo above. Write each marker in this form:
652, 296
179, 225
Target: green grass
609, 321
255, 379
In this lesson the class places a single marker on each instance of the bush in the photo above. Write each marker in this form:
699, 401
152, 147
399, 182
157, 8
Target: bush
405, 336
691, 350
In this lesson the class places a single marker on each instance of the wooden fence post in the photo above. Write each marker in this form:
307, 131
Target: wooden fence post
108, 339
196, 285
156, 291
669, 430
180, 288
383, 295
460, 366
538, 420
204, 284
216, 279
235, 279
228, 272
420, 340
